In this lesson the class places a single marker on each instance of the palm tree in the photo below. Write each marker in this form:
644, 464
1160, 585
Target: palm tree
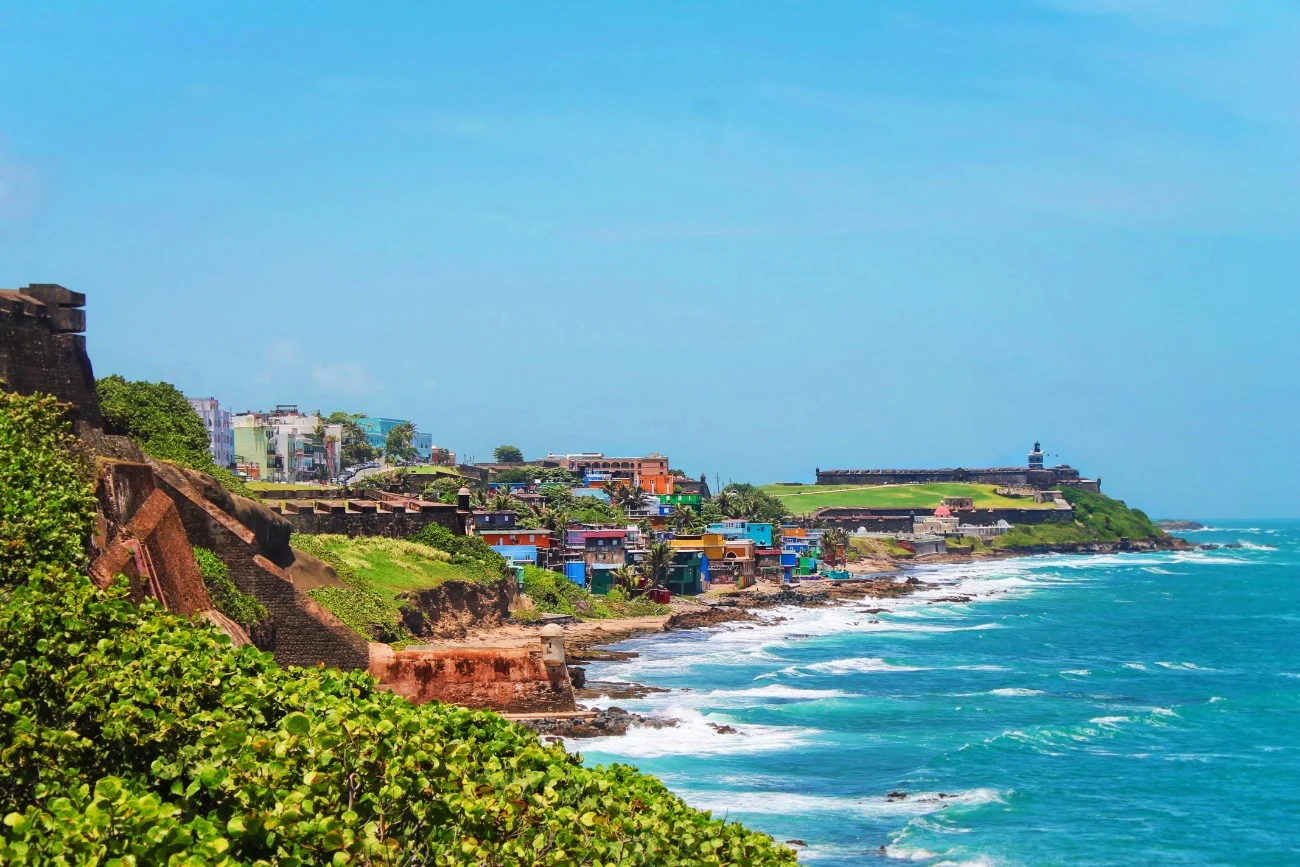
682, 519
725, 501
834, 543
634, 498
658, 557
624, 577
503, 502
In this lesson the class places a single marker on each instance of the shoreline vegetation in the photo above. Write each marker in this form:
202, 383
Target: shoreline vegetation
132, 735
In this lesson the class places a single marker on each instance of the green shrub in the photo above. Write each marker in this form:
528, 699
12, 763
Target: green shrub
1097, 518
47, 500
553, 593
229, 599
470, 553
158, 418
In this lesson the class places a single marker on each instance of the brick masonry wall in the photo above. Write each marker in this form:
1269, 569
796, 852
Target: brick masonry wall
392, 524
299, 631
510, 680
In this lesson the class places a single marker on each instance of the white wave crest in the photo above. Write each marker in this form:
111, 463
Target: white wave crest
1137, 666
859, 664
791, 803
1184, 666
1015, 691
1077, 672
694, 736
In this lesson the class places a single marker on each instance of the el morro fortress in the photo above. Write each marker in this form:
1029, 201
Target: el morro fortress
1033, 475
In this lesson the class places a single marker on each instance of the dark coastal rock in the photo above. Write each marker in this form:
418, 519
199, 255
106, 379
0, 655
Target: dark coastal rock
723, 729
578, 676
896, 796
610, 721
615, 689
1180, 525
710, 616
795, 842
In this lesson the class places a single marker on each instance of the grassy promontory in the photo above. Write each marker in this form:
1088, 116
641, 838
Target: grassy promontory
1097, 518
806, 499
133, 736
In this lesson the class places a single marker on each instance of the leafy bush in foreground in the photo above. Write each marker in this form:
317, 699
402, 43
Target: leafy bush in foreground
47, 502
132, 732
132, 736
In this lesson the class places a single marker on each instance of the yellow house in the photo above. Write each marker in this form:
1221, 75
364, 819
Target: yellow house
712, 545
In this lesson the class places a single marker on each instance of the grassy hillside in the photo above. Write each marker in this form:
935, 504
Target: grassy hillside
376, 571
1097, 518
805, 499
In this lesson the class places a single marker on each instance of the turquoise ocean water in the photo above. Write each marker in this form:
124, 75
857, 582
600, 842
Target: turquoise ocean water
1126, 709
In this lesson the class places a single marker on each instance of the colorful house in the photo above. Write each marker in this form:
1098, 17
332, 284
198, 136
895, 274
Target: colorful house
687, 574
759, 533
711, 545
603, 551
518, 555
690, 501
486, 520
516, 536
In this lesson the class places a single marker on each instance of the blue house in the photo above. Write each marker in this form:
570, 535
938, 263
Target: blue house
760, 533
519, 555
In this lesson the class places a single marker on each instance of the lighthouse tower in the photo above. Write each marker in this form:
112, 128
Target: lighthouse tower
1036, 457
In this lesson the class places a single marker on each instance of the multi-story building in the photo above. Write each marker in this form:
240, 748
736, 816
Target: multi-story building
651, 472
221, 435
286, 445
377, 429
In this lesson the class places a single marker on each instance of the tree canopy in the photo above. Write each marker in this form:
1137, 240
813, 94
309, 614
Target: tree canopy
508, 455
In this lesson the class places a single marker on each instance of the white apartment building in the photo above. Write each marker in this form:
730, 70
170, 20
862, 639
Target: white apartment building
221, 435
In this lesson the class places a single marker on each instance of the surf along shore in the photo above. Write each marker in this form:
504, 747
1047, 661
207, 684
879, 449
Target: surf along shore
590, 641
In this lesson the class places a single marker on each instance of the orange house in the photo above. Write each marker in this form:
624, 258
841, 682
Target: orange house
540, 538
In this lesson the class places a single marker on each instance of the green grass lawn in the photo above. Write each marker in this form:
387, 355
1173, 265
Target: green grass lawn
390, 566
805, 499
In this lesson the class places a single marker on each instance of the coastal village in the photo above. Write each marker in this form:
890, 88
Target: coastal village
356, 542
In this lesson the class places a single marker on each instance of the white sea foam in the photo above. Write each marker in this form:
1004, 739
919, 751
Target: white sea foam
1015, 691
1077, 672
1184, 666
694, 736
1136, 666
1251, 546
1215, 699
858, 664
778, 691
1110, 720
790, 803
980, 668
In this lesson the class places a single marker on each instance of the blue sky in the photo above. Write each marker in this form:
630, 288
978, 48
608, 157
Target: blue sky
758, 237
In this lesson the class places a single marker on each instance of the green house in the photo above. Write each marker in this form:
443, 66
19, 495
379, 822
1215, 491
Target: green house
690, 501
685, 576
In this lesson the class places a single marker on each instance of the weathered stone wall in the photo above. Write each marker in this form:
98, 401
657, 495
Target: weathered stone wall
510, 680
299, 631
394, 524
140, 535
41, 349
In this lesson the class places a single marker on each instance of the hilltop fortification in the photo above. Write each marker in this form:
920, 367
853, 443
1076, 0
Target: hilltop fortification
1033, 475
